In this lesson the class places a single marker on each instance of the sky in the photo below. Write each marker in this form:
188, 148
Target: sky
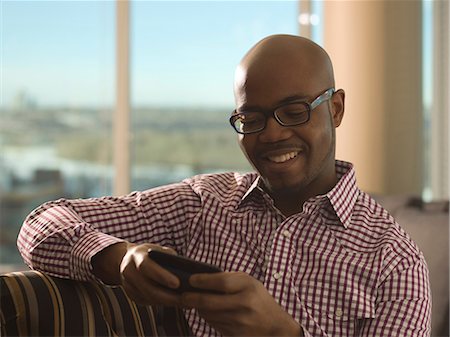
183, 53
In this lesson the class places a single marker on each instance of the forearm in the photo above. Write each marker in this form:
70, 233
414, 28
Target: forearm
61, 237
66, 251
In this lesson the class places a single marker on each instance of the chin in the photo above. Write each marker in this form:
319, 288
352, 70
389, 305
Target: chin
283, 187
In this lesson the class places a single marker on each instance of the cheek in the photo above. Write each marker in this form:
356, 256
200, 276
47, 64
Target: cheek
247, 146
324, 136
323, 142
319, 140
244, 144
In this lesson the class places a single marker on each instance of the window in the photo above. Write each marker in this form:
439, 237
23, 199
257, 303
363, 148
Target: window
58, 94
436, 98
56, 104
183, 59
58, 88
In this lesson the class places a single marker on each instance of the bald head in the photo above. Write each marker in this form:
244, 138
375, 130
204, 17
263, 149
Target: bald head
278, 56
273, 82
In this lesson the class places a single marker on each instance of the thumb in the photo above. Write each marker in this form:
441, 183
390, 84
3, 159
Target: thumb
162, 249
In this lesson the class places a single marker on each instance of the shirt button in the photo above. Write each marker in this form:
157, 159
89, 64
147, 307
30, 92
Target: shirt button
286, 233
277, 276
338, 313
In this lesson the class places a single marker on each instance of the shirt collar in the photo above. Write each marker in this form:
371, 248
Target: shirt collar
342, 197
251, 190
344, 194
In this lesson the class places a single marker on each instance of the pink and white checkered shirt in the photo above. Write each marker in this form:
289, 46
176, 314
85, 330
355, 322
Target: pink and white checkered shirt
341, 267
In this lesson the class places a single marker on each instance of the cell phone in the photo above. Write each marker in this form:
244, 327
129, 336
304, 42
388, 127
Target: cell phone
182, 267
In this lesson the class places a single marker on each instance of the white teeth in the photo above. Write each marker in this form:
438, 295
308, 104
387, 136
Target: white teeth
284, 157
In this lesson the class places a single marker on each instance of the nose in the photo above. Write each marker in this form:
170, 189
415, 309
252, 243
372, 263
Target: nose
274, 132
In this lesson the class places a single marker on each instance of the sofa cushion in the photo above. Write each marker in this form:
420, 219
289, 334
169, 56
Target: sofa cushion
428, 225
36, 304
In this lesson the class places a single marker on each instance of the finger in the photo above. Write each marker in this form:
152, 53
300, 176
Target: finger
161, 275
148, 292
136, 260
163, 249
152, 271
227, 282
209, 302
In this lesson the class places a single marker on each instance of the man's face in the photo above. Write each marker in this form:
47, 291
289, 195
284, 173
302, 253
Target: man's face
289, 159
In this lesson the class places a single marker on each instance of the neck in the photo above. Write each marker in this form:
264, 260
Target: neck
288, 206
290, 202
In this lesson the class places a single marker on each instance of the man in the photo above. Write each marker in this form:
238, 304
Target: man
304, 251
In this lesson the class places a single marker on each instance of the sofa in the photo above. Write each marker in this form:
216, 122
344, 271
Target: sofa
428, 225
36, 304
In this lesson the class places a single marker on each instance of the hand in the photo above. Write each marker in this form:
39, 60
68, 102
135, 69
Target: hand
143, 280
243, 307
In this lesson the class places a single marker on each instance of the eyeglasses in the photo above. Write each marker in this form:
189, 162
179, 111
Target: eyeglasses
290, 114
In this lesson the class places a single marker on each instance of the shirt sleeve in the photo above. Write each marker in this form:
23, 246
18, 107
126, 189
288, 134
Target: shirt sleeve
403, 304
61, 237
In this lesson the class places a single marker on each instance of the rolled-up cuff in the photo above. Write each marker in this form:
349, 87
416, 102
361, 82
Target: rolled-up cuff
84, 250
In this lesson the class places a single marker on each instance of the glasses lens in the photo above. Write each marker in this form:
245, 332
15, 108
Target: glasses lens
247, 122
294, 113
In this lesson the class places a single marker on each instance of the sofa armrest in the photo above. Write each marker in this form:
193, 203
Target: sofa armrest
36, 304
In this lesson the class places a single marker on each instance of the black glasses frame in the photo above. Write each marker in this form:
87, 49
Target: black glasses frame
325, 96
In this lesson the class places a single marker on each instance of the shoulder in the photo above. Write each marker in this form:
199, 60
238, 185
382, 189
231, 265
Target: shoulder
382, 233
228, 187
374, 235
373, 227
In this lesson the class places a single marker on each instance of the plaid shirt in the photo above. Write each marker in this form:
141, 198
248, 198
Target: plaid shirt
341, 267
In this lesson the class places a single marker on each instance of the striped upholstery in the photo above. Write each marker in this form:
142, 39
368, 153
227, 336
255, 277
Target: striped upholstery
35, 304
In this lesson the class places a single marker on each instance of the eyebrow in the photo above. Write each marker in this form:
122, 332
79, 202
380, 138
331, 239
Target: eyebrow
285, 100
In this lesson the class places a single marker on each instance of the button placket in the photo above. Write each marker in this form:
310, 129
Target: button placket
276, 270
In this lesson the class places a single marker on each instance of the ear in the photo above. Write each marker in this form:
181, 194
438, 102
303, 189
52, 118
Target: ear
337, 107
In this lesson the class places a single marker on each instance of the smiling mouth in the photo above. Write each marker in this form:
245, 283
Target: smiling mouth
283, 157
